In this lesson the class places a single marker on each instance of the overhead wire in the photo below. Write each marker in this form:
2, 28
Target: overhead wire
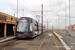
28, 6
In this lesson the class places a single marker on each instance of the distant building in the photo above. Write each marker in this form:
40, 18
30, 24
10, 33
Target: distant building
72, 27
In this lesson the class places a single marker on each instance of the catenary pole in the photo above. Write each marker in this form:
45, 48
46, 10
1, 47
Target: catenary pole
42, 18
17, 8
47, 24
69, 16
65, 15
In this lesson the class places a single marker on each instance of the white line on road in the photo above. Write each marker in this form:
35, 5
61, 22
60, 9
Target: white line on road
72, 43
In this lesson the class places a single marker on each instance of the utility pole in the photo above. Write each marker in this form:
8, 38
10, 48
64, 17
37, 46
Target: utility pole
65, 16
47, 24
52, 27
17, 8
58, 21
23, 13
42, 18
69, 16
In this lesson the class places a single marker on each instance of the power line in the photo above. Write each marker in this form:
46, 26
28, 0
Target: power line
45, 11
27, 5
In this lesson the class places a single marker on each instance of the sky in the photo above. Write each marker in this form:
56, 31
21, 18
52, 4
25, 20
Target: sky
52, 9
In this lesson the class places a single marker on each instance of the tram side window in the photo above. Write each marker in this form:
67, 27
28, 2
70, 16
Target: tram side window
35, 24
30, 26
39, 28
34, 27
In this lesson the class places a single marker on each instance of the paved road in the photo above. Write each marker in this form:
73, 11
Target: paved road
69, 40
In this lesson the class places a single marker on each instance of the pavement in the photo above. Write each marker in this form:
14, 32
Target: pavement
69, 40
2, 39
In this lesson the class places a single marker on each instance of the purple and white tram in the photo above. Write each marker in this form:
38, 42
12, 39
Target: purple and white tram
27, 28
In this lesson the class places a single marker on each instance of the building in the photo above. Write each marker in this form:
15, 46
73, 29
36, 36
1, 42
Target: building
72, 27
7, 23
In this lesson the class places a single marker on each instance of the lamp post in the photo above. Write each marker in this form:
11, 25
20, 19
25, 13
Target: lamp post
47, 24
42, 18
65, 16
58, 21
17, 8
69, 16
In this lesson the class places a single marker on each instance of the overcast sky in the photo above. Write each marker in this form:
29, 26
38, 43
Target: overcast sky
56, 7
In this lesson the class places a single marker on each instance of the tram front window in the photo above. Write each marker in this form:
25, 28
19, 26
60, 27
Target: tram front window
22, 27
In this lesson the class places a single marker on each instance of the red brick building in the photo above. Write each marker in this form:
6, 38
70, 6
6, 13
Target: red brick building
72, 27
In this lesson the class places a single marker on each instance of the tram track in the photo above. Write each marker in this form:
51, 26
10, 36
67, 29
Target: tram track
12, 43
11, 46
3, 43
55, 42
43, 42
39, 48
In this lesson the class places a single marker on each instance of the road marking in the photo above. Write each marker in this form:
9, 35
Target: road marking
55, 43
72, 43
64, 44
58, 35
7, 39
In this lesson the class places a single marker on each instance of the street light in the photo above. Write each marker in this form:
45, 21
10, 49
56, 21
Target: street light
42, 17
47, 24
17, 8
69, 16
58, 21
65, 15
